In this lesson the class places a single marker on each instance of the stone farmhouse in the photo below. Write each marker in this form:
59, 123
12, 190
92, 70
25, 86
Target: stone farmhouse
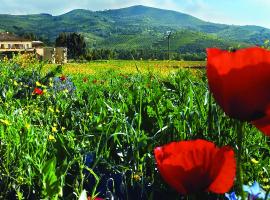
10, 43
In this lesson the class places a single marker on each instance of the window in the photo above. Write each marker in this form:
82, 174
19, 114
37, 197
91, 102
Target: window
2, 46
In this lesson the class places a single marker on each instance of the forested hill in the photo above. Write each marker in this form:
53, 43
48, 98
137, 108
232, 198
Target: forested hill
135, 27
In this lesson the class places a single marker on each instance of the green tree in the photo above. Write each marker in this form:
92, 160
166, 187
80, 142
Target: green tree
75, 43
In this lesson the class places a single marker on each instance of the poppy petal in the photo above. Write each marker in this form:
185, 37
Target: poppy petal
263, 124
224, 170
187, 165
240, 81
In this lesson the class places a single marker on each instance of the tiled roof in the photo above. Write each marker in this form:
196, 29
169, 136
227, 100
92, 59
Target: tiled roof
11, 37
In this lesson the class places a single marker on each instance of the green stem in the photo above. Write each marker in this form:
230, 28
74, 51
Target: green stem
239, 174
210, 114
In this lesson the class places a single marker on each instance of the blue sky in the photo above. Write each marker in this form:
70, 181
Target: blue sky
240, 12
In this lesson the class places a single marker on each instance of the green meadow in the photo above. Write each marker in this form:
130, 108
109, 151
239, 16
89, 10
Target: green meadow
95, 128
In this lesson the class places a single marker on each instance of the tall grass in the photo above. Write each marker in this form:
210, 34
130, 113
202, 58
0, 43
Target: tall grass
100, 134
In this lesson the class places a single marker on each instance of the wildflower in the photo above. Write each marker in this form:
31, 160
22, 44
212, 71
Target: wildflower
15, 83
63, 78
54, 129
240, 83
38, 84
254, 161
266, 180
37, 91
137, 176
266, 187
66, 86
232, 196
94, 198
94, 81
63, 128
83, 196
51, 82
254, 191
85, 79
51, 138
6, 122
27, 126
65, 90
196, 166
51, 109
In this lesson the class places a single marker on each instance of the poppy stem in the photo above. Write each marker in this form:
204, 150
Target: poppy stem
239, 176
210, 113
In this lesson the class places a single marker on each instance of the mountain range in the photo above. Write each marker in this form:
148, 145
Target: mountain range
136, 27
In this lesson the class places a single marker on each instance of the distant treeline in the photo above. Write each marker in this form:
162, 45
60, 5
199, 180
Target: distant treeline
140, 54
77, 50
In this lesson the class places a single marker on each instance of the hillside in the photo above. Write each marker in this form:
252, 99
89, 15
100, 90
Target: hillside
135, 27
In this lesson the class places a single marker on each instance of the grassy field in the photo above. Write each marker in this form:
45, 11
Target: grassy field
91, 127
162, 68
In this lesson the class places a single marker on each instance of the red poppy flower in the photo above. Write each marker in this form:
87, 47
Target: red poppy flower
38, 91
240, 82
94, 81
196, 166
97, 198
85, 79
63, 78
263, 124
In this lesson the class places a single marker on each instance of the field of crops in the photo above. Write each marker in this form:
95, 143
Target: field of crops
93, 127
162, 68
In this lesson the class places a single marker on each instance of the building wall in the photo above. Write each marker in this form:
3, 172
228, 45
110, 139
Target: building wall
6, 45
40, 51
61, 55
49, 54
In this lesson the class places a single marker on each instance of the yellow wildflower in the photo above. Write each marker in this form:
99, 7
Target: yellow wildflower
6, 122
137, 176
54, 129
27, 126
15, 83
38, 84
254, 161
51, 82
265, 180
51, 109
266, 187
63, 128
51, 138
